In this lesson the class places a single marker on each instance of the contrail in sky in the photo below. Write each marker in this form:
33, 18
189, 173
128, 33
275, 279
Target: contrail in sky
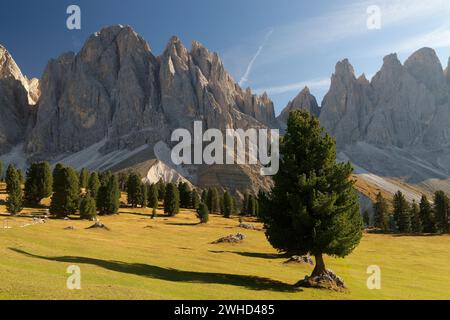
244, 78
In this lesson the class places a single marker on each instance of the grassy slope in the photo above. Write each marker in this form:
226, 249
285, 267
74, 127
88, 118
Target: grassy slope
172, 258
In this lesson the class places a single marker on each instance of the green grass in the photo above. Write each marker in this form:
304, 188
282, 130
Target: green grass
173, 258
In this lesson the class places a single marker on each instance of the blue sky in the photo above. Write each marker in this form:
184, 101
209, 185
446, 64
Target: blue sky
276, 46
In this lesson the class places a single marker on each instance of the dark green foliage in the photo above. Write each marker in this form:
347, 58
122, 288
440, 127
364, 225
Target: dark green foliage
252, 206
227, 205
66, 192
233, 206
11, 175
313, 207
14, 201
427, 216
88, 208
1, 171
161, 190
204, 196
195, 199
144, 195
441, 211
366, 218
39, 183
108, 201
154, 212
416, 223
21, 176
84, 178
135, 194
381, 213
213, 200
401, 213
171, 200
93, 185
203, 213
123, 179
244, 205
152, 195
185, 195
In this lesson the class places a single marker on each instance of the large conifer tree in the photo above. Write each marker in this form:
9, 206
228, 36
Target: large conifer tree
441, 211
427, 215
39, 183
14, 201
402, 213
312, 208
66, 191
172, 200
381, 213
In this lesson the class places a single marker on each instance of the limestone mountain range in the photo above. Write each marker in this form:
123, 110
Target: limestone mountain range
114, 104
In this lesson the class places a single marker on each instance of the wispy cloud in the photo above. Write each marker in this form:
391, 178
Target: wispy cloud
322, 83
244, 78
437, 38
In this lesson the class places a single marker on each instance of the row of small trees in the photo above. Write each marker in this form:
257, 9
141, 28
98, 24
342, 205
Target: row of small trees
70, 191
412, 217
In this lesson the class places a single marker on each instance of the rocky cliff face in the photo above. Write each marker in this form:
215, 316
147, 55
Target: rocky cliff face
14, 107
397, 125
116, 89
303, 101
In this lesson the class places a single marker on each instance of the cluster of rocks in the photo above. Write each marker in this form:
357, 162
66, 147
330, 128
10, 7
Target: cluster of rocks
247, 226
233, 238
328, 280
300, 260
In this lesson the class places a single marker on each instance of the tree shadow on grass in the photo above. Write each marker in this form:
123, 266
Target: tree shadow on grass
256, 254
175, 275
183, 224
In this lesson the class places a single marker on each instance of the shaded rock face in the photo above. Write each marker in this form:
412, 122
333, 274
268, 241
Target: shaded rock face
304, 101
14, 106
116, 89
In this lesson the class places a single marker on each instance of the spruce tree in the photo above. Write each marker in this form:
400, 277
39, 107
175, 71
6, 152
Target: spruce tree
313, 207
366, 218
11, 174
251, 206
88, 208
227, 205
203, 213
21, 177
66, 192
213, 200
152, 194
185, 195
111, 201
14, 201
402, 213
441, 211
123, 178
195, 200
93, 185
144, 198
134, 190
204, 198
416, 222
84, 178
427, 216
171, 200
161, 189
244, 205
381, 213
1, 170
39, 183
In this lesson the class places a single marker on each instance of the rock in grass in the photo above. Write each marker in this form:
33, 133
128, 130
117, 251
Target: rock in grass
300, 260
328, 280
99, 225
233, 238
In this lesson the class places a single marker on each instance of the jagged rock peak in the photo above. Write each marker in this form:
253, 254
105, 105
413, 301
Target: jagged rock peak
303, 101
8, 67
344, 67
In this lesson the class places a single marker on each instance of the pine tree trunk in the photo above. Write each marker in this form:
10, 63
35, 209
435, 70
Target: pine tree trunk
319, 269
